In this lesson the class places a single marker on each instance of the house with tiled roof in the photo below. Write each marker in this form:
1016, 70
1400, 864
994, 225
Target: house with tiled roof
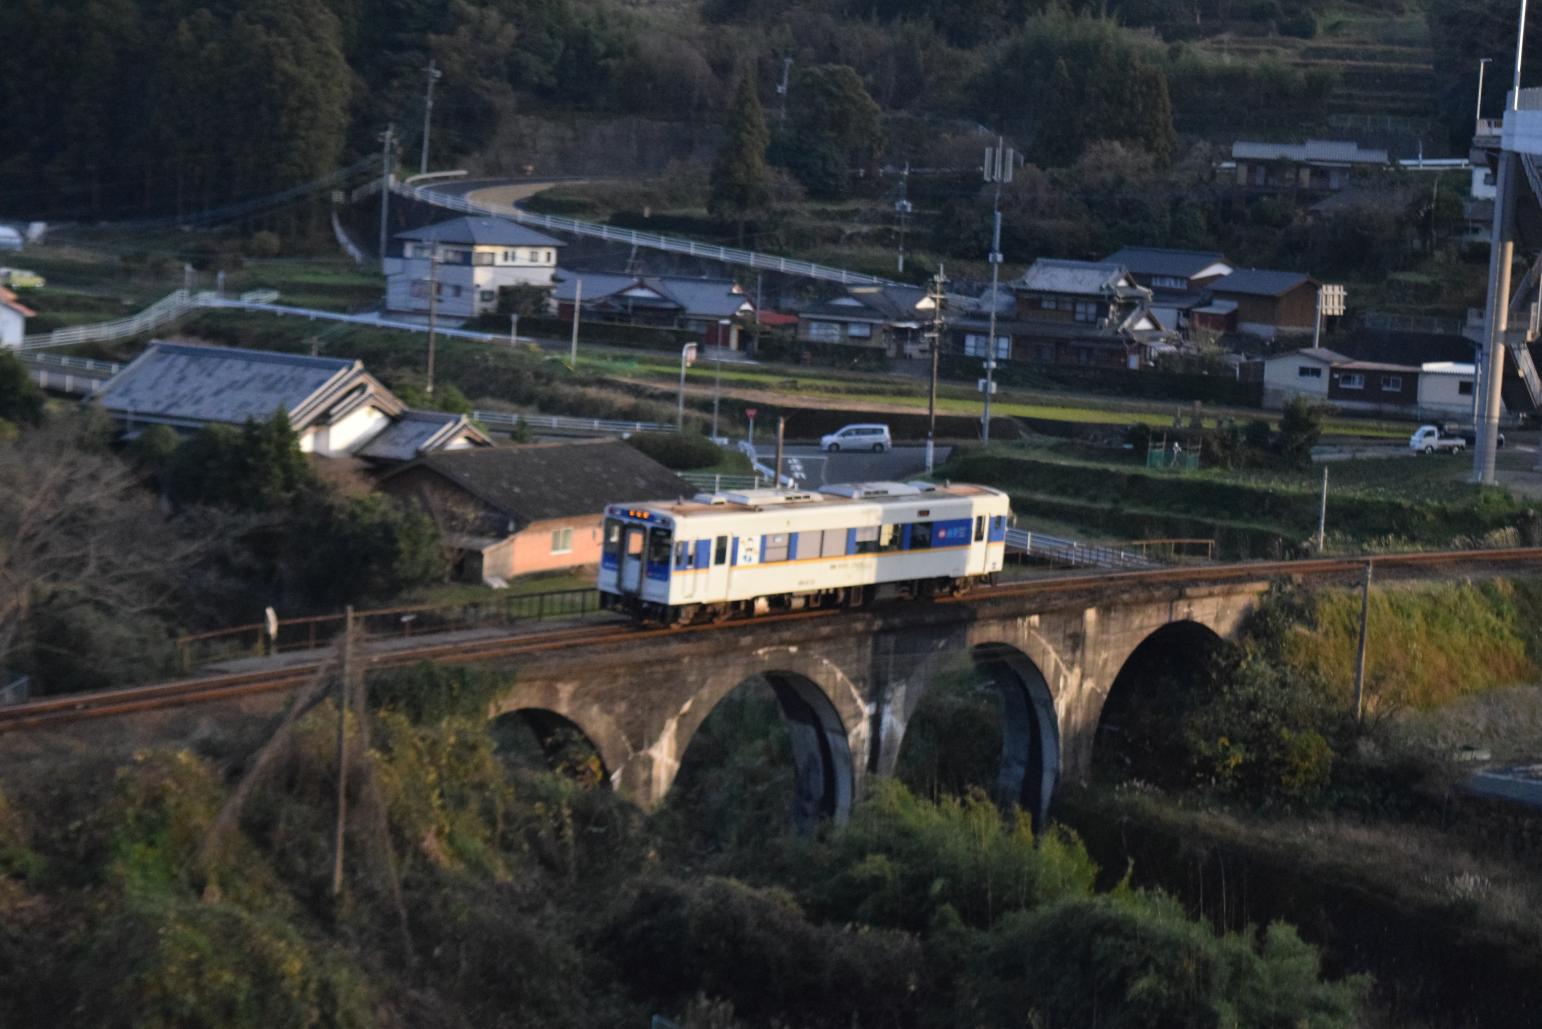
336, 408
464, 263
677, 302
888, 318
537, 508
1260, 302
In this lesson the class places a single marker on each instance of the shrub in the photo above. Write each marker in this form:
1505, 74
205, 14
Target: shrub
681, 451
263, 244
1300, 429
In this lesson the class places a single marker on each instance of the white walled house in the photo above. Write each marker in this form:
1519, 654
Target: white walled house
1300, 373
13, 319
1446, 388
335, 407
472, 259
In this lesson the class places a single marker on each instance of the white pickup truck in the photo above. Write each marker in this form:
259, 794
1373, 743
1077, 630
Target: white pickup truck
1430, 438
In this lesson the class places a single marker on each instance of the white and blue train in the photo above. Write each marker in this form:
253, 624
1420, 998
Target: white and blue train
742, 553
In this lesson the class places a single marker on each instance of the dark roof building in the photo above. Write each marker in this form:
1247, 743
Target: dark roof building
480, 232
542, 481
1260, 282
1162, 268
538, 508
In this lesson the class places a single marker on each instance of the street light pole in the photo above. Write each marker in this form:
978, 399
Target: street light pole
936, 349
687, 355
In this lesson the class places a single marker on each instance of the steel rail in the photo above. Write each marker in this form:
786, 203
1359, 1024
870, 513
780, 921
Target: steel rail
78, 706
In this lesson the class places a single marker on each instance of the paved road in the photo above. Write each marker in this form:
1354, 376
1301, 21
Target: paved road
820, 469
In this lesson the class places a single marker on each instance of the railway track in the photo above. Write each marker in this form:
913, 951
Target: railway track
48, 712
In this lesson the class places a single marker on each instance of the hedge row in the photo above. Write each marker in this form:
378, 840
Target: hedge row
1151, 385
1294, 510
1232, 541
615, 334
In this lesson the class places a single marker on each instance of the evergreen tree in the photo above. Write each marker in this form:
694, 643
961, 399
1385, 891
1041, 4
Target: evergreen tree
741, 182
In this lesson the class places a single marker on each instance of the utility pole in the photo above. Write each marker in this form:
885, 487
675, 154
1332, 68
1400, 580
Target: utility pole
998, 169
387, 139
781, 430
344, 674
938, 281
781, 90
902, 209
434, 75
1501, 256
513, 328
578, 303
687, 358
1365, 619
1322, 512
757, 314
1477, 116
433, 309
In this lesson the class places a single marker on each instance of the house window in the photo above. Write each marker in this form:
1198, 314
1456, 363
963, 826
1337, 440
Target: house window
1351, 380
482, 258
1086, 311
1048, 304
822, 332
549, 257
1307, 371
1392, 384
974, 345
562, 541
1168, 282
860, 330
488, 296
508, 256
1464, 388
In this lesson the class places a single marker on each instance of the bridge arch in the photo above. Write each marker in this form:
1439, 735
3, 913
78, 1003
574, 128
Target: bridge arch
824, 773
555, 741
1030, 728
1155, 681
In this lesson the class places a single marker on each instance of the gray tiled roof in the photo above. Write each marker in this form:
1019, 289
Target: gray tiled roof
709, 298
493, 232
1089, 278
414, 432
539, 481
190, 384
1162, 261
1259, 282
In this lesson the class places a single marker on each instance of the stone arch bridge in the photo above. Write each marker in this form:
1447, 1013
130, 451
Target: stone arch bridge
849, 684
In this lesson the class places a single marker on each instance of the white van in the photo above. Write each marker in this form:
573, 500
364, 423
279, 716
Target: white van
858, 437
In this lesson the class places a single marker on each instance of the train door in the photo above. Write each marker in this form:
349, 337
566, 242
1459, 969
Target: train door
633, 542
685, 568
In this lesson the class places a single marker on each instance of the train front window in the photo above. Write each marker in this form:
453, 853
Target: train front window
634, 543
658, 547
612, 538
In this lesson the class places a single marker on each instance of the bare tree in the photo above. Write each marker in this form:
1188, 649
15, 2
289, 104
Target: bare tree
78, 530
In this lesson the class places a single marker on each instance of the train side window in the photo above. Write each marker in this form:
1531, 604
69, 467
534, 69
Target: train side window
979, 528
658, 547
889, 538
921, 536
773, 546
833, 543
867, 540
720, 551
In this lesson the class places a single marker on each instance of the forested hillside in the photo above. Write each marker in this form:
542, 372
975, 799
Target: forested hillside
117, 108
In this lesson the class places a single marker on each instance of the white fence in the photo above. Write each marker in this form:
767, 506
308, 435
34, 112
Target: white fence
649, 240
503, 420
1072, 552
171, 308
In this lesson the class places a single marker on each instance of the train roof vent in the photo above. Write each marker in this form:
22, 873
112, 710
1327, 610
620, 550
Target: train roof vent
922, 487
864, 490
770, 497
710, 498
